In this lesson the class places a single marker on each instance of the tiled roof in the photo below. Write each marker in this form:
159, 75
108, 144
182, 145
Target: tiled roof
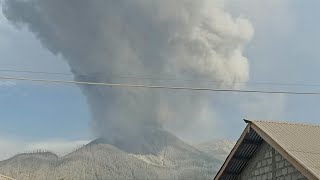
2, 177
298, 143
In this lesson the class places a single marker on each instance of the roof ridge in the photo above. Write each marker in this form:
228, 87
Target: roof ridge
7, 177
286, 123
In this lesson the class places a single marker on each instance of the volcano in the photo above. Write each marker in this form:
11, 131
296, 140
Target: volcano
157, 154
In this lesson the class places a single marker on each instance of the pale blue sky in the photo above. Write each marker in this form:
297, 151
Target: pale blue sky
284, 49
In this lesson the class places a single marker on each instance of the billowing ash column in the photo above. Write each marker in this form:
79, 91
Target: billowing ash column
182, 39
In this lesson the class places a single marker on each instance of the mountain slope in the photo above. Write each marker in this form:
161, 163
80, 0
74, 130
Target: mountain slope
219, 148
156, 155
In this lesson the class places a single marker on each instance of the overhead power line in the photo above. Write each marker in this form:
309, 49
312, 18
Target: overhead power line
155, 78
158, 87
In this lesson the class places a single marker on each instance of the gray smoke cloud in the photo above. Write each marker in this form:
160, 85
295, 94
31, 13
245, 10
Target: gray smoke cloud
184, 39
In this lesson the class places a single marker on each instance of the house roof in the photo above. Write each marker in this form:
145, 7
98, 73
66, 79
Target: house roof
2, 177
298, 143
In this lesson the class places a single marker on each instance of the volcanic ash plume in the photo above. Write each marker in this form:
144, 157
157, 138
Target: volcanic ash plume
184, 39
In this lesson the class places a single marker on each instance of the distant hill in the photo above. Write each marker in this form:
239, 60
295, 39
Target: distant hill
219, 148
156, 155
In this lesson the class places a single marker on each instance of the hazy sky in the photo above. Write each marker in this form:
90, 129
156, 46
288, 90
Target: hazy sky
284, 49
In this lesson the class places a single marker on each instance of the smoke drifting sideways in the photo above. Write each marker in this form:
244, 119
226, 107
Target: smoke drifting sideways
184, 39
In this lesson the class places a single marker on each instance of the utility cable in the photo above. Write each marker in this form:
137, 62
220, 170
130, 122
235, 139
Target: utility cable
156, 78
158, 87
